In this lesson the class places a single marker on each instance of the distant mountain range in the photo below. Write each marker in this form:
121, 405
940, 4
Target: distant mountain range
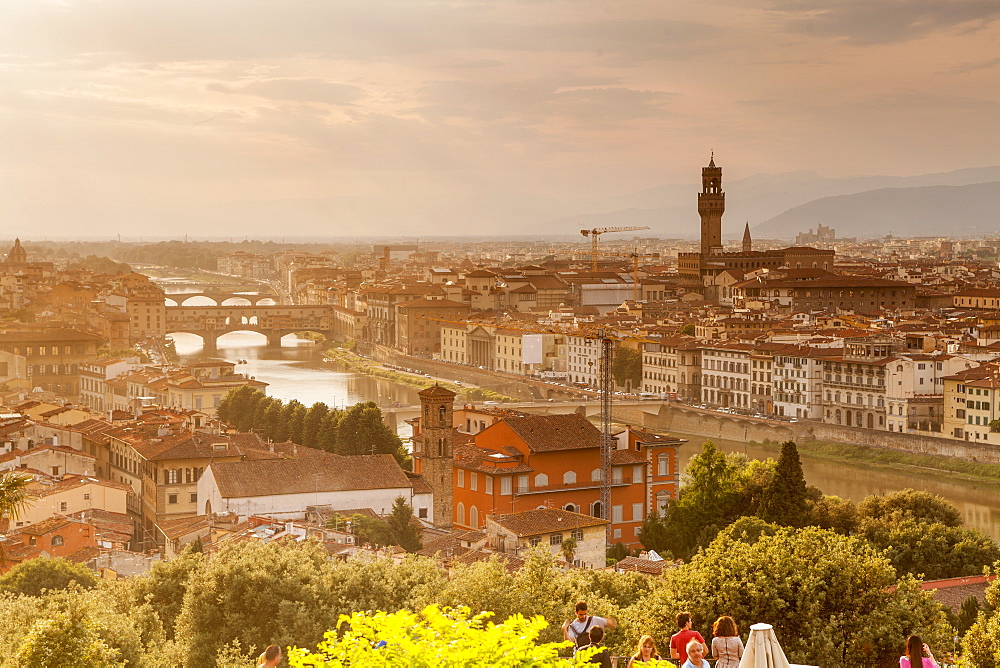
963, 202
925, 211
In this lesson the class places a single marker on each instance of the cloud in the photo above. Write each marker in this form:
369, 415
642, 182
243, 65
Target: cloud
884, 21
965, 68
295, 90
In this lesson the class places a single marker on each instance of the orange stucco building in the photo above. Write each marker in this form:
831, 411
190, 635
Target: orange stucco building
506, 461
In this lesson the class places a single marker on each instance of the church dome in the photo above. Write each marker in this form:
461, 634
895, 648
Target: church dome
17, 254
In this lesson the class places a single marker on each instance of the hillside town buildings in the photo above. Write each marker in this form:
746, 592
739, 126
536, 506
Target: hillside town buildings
124, 448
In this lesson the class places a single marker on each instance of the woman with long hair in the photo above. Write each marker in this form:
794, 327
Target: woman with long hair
645, 652
271, 657
914, 657
727, 648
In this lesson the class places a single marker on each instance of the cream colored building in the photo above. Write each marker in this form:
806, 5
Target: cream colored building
519, 533
454, 343
73, 494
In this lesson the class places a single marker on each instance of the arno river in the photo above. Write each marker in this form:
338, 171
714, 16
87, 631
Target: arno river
296, 371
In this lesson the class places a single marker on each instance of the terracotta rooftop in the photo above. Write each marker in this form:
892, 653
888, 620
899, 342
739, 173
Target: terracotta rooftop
548, 433
333, 473
546, 520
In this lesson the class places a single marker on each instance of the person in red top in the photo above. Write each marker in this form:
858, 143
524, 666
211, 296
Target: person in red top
680, 640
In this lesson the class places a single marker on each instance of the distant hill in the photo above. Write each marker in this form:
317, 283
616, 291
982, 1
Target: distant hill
921, 211
671, 210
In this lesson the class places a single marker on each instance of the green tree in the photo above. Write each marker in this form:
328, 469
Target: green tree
361, 431
709, 500
255, 590
967, 615
833, 600
932, 550
981, 644
66, 640
833, 512
655, 534
295, 415
13, 499
568, 549
626, 367
164, 588
785, 499
312, 422
35, 576
909, 504
326, 438
401, 529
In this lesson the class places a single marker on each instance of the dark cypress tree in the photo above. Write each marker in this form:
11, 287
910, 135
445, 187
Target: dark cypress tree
312, 423
400, 527
295, 422
784, 500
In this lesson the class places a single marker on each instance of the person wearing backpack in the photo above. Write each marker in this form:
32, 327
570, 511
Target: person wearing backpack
578, 630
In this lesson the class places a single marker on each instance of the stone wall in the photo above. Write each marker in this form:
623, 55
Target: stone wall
686, 420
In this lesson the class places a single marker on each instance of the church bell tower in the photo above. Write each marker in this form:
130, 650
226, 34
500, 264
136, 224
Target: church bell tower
711, 205
434, 458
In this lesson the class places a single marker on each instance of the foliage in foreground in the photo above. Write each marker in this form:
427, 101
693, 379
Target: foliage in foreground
436, 637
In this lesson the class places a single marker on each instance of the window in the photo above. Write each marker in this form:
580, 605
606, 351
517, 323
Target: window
637, 475
596, 475
534, 541
86, 497
555, 539
618, 533
194, 497
422, 513
522, 484
616, 513
505, 486
171, 476
62, 506
474, 517
616, 475
541, 480
662, 462
636, 512
57, 541
171, 498
460, 513
489, 484
569, 477
461, 478
578, 535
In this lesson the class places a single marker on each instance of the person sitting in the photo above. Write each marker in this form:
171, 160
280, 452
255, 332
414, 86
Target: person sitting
270, 658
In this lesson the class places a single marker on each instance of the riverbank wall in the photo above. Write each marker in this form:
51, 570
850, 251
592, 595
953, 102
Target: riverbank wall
687, 420
519, 387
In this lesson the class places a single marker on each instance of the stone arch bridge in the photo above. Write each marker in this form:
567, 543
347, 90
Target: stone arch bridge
220, 298
211, 322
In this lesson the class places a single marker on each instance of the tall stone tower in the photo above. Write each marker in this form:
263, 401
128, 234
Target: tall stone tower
711, 205
435, 455
747, 241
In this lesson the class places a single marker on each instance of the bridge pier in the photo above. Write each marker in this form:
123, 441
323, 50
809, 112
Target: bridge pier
274, 339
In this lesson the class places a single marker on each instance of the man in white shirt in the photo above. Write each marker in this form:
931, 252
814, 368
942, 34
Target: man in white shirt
577, 630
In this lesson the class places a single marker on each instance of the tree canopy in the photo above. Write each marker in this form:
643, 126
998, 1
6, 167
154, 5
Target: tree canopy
833, 600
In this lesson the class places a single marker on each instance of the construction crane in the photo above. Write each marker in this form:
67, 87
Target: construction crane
606, 338
595, 233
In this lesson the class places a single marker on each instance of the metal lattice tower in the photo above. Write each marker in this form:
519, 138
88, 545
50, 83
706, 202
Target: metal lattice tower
606, 385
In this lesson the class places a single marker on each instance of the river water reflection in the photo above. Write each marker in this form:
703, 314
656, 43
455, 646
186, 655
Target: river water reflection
296, 371
978, 503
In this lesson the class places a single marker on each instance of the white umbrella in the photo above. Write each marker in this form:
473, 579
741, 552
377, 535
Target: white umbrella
763, 650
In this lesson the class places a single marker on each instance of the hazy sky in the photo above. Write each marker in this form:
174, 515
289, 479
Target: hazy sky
385, 116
